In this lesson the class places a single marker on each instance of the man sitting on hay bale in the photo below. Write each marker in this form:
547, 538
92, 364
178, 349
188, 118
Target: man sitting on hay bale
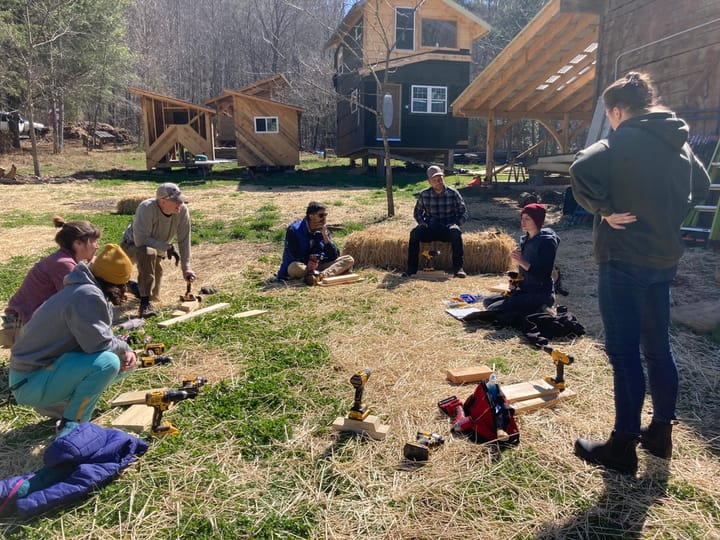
439, 211
309, 252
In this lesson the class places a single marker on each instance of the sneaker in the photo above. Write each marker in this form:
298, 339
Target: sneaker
460, 273
147, 311
132, 288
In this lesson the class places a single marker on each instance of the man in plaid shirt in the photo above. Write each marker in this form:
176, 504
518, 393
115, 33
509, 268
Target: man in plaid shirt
439, 211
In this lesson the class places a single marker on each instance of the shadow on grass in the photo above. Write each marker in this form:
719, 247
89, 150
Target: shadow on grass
621, 509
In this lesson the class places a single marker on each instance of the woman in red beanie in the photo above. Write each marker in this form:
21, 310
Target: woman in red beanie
533, 289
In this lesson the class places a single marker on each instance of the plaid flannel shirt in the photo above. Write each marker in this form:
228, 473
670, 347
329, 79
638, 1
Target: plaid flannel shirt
440, 209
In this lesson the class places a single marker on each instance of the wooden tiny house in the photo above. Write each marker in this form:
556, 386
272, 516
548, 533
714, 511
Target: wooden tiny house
426, 48
172, 127
264, 132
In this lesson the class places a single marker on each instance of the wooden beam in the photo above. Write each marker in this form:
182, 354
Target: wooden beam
468, 373
250, 313
340, 280
196, 313
490, 148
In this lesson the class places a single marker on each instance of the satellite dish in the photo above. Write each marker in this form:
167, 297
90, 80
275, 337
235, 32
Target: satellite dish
387, 110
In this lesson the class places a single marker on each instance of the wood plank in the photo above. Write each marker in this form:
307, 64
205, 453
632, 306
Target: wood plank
529, 405
431, 274
371, 426
468, 374
133, 397
187, 307
249, 313
196, 313
528, 390
340, 280
136, 418
500, 287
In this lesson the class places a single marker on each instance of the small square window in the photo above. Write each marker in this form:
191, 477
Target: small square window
266, 124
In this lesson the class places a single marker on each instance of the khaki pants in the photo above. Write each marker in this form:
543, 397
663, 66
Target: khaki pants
341, 265
149, 267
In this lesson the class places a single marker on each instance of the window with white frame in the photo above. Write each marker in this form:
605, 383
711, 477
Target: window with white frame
429, 99
405, 29
266, 124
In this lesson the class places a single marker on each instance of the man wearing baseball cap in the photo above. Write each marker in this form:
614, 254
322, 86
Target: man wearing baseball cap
439, 211
149, 239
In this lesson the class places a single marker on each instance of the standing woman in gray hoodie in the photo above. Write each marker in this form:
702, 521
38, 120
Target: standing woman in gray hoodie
640, 183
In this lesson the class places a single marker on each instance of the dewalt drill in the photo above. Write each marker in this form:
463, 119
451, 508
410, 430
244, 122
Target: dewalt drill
359, 410
560, 359
161, 400
515, 278
429, 255
419, 449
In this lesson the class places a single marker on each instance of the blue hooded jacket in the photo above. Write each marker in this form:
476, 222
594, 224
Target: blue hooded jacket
88, 457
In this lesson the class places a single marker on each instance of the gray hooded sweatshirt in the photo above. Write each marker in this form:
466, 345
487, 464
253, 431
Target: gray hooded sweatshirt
77, 318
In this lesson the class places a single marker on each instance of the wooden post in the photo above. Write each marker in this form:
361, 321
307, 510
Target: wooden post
490, 148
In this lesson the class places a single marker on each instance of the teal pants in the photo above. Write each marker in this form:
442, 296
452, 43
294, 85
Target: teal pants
75, 377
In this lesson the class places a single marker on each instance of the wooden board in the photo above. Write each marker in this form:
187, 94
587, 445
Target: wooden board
700, 317
133, 397
468, 374
136, 418
528, 390
196, 313
187, 307
541, 402
432, 275
340, 280
371, 426
250, 313
500, 287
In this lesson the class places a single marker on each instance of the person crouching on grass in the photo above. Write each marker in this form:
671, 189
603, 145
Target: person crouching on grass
67, 354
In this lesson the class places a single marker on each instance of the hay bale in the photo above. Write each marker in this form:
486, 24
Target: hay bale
486, 252
128, 205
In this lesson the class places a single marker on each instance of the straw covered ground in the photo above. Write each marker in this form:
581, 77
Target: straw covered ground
315, 482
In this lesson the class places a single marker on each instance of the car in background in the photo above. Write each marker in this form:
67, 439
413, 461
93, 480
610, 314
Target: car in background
23, 125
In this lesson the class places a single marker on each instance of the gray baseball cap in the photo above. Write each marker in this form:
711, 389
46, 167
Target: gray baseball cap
170, 192
434, 170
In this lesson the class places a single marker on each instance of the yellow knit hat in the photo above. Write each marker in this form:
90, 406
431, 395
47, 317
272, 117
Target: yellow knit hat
112, 265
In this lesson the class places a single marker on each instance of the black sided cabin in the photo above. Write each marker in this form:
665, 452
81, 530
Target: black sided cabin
426, 48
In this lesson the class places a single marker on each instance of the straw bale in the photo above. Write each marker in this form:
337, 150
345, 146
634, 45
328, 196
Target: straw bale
486, 252
128, 205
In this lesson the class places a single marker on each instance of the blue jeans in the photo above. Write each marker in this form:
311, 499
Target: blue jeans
75, 377
635, 309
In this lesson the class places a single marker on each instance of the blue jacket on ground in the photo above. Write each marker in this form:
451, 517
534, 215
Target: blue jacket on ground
88, 457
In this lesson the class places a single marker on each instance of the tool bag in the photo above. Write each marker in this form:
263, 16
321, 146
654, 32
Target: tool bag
490, 411
540, 328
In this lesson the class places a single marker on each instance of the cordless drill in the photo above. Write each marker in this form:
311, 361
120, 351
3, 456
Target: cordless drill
560, 359
161, 400
419, 449
515, 279
429, 255
359, 410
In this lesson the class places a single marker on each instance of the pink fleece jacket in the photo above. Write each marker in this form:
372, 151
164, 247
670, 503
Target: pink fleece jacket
41, 282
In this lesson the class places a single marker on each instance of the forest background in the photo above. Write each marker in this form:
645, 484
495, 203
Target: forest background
80, 57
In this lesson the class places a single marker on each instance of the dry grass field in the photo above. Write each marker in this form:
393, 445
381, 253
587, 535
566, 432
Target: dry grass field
320, 484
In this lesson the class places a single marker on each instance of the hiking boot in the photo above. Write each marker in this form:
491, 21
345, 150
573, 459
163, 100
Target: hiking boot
618, 453
147, 310
657, 439
460, 273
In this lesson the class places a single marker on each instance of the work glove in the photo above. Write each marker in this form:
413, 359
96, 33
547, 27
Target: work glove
172, 254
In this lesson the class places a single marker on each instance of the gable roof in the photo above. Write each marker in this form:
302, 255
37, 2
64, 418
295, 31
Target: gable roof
174, 101
356, 12
546, 71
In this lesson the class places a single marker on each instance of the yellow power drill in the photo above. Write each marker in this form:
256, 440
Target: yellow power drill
429, 255
419, 450
560, 359
359, 410
161, 400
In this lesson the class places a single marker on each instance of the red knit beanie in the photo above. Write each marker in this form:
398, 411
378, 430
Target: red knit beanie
536, 212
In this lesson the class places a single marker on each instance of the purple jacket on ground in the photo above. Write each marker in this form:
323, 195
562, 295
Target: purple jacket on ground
92, 456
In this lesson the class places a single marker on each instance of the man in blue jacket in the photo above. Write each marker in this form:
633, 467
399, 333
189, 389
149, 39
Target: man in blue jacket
309, 248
